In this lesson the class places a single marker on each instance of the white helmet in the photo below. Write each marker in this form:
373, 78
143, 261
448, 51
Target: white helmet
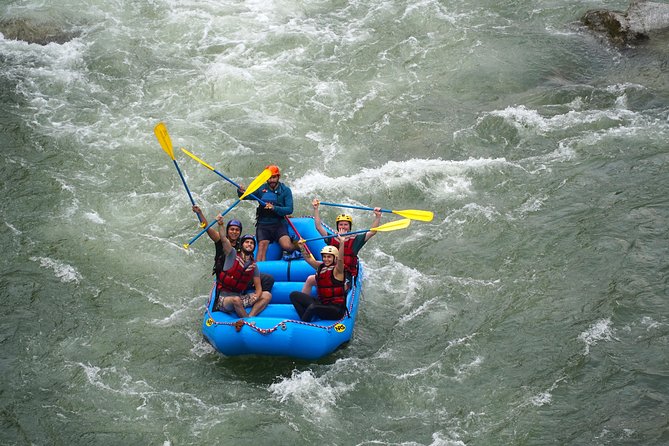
330, 250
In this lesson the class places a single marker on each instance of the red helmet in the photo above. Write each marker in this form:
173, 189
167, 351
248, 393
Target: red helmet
274, 170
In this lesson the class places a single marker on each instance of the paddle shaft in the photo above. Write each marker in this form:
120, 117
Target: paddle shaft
413, 214
183, 180
336, 235
364, 208
208, 166
237, 186
392, 226
297, 234
263, 204
210, 225
160, 130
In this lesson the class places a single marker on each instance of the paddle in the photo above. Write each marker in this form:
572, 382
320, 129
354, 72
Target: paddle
187, 245
166, 143
298, 234
255, 184
204, 163
392, 226
209, 167
411, 214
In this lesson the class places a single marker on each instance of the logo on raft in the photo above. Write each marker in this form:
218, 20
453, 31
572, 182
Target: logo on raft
339, 328
209, 322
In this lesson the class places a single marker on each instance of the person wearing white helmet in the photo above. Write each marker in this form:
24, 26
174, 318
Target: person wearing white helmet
351, 246
330, 300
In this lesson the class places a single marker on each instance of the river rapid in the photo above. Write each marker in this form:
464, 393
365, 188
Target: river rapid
532, 310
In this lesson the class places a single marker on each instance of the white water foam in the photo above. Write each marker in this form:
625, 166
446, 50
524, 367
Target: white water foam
439, 440
66, 273
436, 178
117, 380
545, 397
463, 371
428, 307
524, 119
315, 394
13, 229
650, 323
94, 217
392, 278
599, 331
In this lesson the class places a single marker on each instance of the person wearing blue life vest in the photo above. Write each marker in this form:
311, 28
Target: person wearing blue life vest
271, 225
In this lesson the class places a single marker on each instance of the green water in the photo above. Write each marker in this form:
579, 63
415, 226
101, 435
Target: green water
532, 310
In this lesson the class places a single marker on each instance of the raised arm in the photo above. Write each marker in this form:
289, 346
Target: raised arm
227, 246
309, 259
339, 266
241, 189
375, 223
317, 217
211, 232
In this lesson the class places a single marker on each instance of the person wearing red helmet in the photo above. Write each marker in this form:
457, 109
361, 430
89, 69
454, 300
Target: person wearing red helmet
271, 223
352, 244
330, 301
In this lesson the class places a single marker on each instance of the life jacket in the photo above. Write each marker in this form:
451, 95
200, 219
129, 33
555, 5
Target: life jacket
350, 259
219, 258
268, 196
237, 278
330, 290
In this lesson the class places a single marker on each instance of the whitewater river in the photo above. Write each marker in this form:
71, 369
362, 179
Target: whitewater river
532, 310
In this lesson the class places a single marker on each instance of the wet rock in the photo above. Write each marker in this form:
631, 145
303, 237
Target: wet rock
641, 18
34, 32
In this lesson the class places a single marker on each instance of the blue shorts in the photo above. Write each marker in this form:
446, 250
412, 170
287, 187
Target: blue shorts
272, 232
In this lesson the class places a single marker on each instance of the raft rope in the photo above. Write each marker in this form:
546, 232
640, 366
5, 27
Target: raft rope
281, 325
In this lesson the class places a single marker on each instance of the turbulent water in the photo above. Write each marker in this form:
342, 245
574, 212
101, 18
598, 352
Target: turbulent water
532, 310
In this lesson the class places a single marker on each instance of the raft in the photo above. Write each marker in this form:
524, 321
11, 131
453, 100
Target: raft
277, 330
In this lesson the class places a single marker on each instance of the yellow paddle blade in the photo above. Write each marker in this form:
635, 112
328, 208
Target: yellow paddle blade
255, 184
414, 214
164, 139
197, 159
393, 225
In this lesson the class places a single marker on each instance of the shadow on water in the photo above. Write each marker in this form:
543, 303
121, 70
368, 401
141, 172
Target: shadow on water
265, 370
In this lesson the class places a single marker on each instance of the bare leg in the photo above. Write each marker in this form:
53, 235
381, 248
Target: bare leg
236, 303
261, 303
309, 284
286, 244
262, 250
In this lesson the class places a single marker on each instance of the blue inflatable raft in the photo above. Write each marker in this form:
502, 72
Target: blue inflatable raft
278, 331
